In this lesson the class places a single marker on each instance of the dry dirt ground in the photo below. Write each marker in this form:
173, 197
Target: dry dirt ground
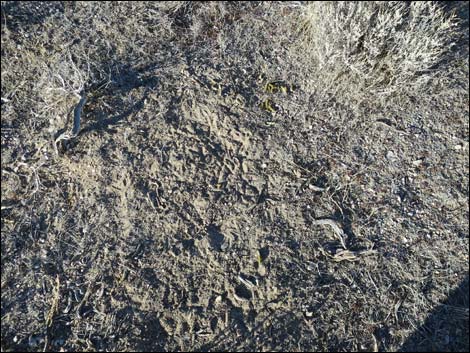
221, 195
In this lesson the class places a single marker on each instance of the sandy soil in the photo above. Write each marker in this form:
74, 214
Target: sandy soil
214, 203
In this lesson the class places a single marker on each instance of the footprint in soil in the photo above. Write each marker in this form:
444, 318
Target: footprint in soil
216, 238
242, 293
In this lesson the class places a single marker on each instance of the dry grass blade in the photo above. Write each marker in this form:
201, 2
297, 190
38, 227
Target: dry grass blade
348, 255
337, 229
54, 309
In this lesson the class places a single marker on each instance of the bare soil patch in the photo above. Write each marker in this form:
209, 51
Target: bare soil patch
219, 197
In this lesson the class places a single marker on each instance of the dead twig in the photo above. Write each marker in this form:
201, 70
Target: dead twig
76, 123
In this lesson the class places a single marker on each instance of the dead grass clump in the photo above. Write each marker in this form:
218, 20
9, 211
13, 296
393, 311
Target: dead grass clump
59, 90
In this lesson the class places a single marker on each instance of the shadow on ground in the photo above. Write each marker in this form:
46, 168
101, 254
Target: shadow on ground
446, 329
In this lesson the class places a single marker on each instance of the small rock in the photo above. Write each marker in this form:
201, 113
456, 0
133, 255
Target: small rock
446, 340
262, 270
58, 342
34, 341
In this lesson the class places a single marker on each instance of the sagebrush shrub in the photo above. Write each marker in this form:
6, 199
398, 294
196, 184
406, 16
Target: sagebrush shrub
367, 50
